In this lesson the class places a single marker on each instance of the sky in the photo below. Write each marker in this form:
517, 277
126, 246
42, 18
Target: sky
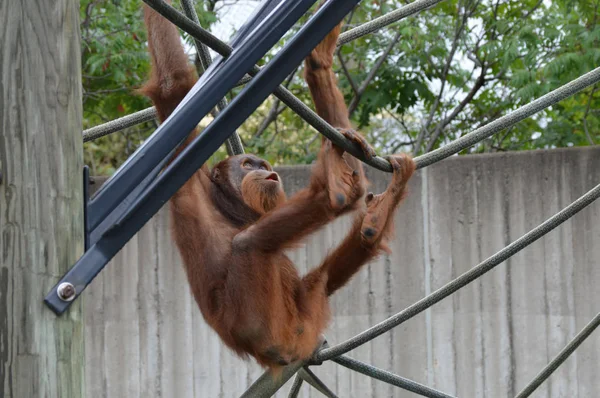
232, 16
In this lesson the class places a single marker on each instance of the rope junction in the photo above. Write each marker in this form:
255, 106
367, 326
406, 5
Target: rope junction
266, 385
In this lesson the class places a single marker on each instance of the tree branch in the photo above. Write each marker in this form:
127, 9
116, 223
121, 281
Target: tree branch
444, 78
275, 109
309, 143
436, 103
355, 100
585, 115
479, 83
346, 72
88, 14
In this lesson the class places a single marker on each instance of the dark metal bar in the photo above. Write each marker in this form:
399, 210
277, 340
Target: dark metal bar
308, 376
96, 233
184, 119
389, 378
560, 358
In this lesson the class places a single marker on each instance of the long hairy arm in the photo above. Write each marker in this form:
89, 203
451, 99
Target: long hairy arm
328, 99
322, 82
171, 77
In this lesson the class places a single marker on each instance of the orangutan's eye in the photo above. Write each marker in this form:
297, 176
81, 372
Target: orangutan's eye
247, 165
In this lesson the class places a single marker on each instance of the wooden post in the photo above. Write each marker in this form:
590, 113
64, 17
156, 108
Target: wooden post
41, 232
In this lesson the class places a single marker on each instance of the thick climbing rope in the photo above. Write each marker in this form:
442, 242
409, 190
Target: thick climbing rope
312, 379
262, 386
296, 386
560, 358
388, 377
385, 20
145, 115
119, 124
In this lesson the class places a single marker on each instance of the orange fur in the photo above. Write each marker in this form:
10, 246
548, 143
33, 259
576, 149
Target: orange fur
232, 224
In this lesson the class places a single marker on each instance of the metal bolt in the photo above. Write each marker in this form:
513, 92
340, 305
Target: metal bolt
66, 291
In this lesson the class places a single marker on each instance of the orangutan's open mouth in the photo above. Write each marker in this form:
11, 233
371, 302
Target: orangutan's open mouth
272, 177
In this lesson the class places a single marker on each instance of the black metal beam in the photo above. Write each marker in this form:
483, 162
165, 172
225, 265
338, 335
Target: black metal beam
94, 234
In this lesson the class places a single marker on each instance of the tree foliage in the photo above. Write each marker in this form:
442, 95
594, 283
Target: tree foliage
413, 86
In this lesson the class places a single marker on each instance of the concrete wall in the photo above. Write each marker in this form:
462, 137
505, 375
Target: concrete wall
146, 338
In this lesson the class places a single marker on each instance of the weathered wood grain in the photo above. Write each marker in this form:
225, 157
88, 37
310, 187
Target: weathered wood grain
41, 212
